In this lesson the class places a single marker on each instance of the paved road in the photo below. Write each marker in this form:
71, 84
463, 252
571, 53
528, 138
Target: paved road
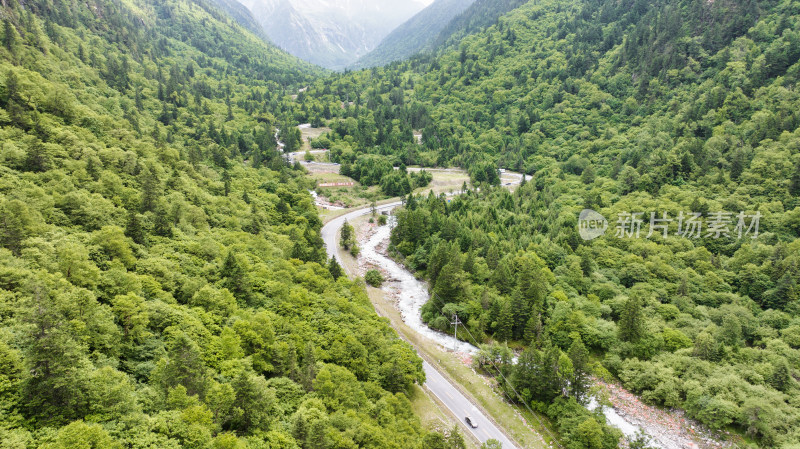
453, 399
331, 230
460, 407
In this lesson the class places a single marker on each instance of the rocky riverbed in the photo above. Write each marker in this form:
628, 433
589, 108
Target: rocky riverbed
665, 429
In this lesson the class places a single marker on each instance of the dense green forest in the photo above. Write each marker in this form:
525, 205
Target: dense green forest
242, 15
671, 90
668, 107
162, 278
480, 15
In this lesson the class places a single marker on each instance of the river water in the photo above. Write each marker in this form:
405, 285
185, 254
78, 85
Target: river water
412, 294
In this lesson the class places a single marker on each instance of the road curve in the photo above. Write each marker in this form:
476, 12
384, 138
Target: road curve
331, 230
458, 404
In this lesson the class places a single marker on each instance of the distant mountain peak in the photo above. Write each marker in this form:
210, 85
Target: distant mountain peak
331, 33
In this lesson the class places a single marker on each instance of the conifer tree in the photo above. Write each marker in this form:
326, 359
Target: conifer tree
631, 323
133, 228
794, 186
9, 37
335, 269
505, 322
579, 356
235, 278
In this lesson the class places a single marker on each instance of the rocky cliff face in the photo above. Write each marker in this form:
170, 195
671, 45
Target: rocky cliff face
331, 33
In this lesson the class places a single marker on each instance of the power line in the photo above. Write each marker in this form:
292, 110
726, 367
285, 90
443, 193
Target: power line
455, 322
506, 381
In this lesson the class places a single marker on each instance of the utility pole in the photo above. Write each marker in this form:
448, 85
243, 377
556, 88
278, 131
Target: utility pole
455, 322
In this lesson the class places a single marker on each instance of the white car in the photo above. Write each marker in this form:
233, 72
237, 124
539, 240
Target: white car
471, 422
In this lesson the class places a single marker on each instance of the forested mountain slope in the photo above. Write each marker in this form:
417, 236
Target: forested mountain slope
437, 28
241, 14
162, 279
549, 78
416, 35
618, 106
481, 14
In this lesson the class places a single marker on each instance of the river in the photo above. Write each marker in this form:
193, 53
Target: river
414, 292
411, 294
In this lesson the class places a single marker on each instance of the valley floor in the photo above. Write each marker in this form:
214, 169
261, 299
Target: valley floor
396, 301
667, 429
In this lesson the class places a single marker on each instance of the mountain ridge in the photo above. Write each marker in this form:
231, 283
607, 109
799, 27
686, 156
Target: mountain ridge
416, 35
327, 33
162, 276
632, 109
242, 15
481, 14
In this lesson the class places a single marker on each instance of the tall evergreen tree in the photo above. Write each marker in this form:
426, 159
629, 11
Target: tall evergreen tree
335, 269
162, 225
12, 88
347, 237
234, 278
505, 322
450, 283
533, 331
631, 322
150, 188
16, 224
55, 391
9, 36
579, 355
794, 186
38, 159
183, 366
133, 228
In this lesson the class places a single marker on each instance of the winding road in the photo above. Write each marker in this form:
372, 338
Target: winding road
414, 294
437, 383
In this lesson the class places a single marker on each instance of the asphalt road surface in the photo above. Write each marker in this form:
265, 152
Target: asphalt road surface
331, 230
461, 407
457, 403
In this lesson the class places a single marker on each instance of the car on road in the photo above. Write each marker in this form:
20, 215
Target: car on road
471, 422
